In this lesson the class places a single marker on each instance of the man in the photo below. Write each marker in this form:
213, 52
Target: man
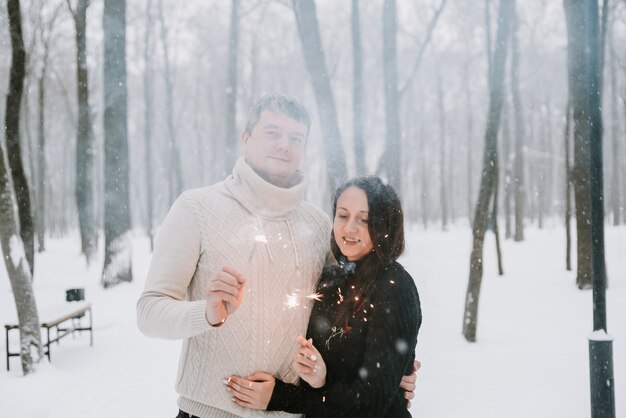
233, 265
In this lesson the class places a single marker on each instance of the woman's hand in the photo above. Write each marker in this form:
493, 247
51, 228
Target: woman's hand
309, 364
254, 392
225, 292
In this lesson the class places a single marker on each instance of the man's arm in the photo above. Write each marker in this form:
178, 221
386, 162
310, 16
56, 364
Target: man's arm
162, 310
408, 383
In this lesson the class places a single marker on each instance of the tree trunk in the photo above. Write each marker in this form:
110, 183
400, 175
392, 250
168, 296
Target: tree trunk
39, 178
518, 175
231, 90
494, 219
84, 140
12, 137
357, 92
117, 234
574, 12
175, 168
15, 254
489, 172
442, 154
470, 142
508, 169
568, 187
615, 195
308, 29
148, 120
393, 144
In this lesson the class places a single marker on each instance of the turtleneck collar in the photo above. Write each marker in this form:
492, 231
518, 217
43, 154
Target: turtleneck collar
260, 197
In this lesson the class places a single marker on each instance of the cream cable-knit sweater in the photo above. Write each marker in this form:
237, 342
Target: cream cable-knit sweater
274, 238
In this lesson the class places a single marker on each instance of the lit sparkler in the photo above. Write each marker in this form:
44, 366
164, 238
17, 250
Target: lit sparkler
294, 299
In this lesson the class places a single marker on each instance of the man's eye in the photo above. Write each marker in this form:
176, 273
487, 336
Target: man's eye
271, 134
342, 216
297, 140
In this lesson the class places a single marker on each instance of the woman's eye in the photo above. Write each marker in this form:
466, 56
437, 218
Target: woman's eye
365, 221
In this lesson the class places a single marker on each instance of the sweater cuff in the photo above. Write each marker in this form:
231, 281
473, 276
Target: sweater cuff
199, 323
285, 397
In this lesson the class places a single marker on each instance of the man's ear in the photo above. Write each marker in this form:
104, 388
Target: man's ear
245, 136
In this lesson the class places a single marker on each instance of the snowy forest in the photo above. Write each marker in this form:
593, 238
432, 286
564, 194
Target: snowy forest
483, 114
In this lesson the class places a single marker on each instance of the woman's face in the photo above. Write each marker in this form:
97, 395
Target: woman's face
350, 225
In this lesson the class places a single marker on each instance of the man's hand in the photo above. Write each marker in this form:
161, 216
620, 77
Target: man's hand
254, 392
309, 364
408, 383
225, 292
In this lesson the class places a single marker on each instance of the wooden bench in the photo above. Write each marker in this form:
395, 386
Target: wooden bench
69, 315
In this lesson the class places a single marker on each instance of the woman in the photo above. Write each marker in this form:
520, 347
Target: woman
363, 329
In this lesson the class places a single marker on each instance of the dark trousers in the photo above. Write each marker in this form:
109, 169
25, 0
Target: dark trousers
182, 414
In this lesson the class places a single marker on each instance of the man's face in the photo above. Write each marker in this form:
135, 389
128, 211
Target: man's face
275, 147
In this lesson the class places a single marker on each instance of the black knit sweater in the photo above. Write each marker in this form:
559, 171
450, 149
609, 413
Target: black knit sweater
365, 359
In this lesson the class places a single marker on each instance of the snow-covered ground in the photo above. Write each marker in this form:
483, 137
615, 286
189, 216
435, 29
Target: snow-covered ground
530, 360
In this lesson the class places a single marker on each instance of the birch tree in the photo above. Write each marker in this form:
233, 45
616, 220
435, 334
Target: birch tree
393, 144
117, 233
84, 189
13, 249
488, 181
308, 30
12, 137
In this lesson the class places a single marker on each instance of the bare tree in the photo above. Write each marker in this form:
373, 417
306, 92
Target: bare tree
615, 195
39, 172
393, 144
84, 138
175, 169
518, 164
231, 139
568, 185
13, 249
148, 76
313, 51
117, 234
580, 170
442, 153
12, 138
422, 48
357, 91
488, 180
508, 168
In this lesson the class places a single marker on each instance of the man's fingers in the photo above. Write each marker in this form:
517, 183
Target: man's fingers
226, 297
416, 366
234, 273
409, 395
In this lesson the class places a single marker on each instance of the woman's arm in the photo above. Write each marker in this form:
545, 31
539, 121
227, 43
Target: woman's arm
394, 321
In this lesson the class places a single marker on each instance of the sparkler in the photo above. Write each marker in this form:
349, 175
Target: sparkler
293, 299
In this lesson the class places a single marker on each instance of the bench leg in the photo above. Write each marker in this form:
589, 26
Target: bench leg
48, 343
7, 346
90, 327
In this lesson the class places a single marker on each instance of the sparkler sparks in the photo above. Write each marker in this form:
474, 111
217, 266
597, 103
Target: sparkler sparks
293, 300
315, 296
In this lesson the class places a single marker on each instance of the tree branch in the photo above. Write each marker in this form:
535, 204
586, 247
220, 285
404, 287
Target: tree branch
422, 48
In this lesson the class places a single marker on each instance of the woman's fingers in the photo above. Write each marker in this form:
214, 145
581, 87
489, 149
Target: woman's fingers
240, 386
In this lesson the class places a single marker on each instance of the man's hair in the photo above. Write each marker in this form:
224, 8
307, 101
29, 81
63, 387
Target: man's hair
278, 103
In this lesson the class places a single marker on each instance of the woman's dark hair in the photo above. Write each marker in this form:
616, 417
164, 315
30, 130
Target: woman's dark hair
386, 229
